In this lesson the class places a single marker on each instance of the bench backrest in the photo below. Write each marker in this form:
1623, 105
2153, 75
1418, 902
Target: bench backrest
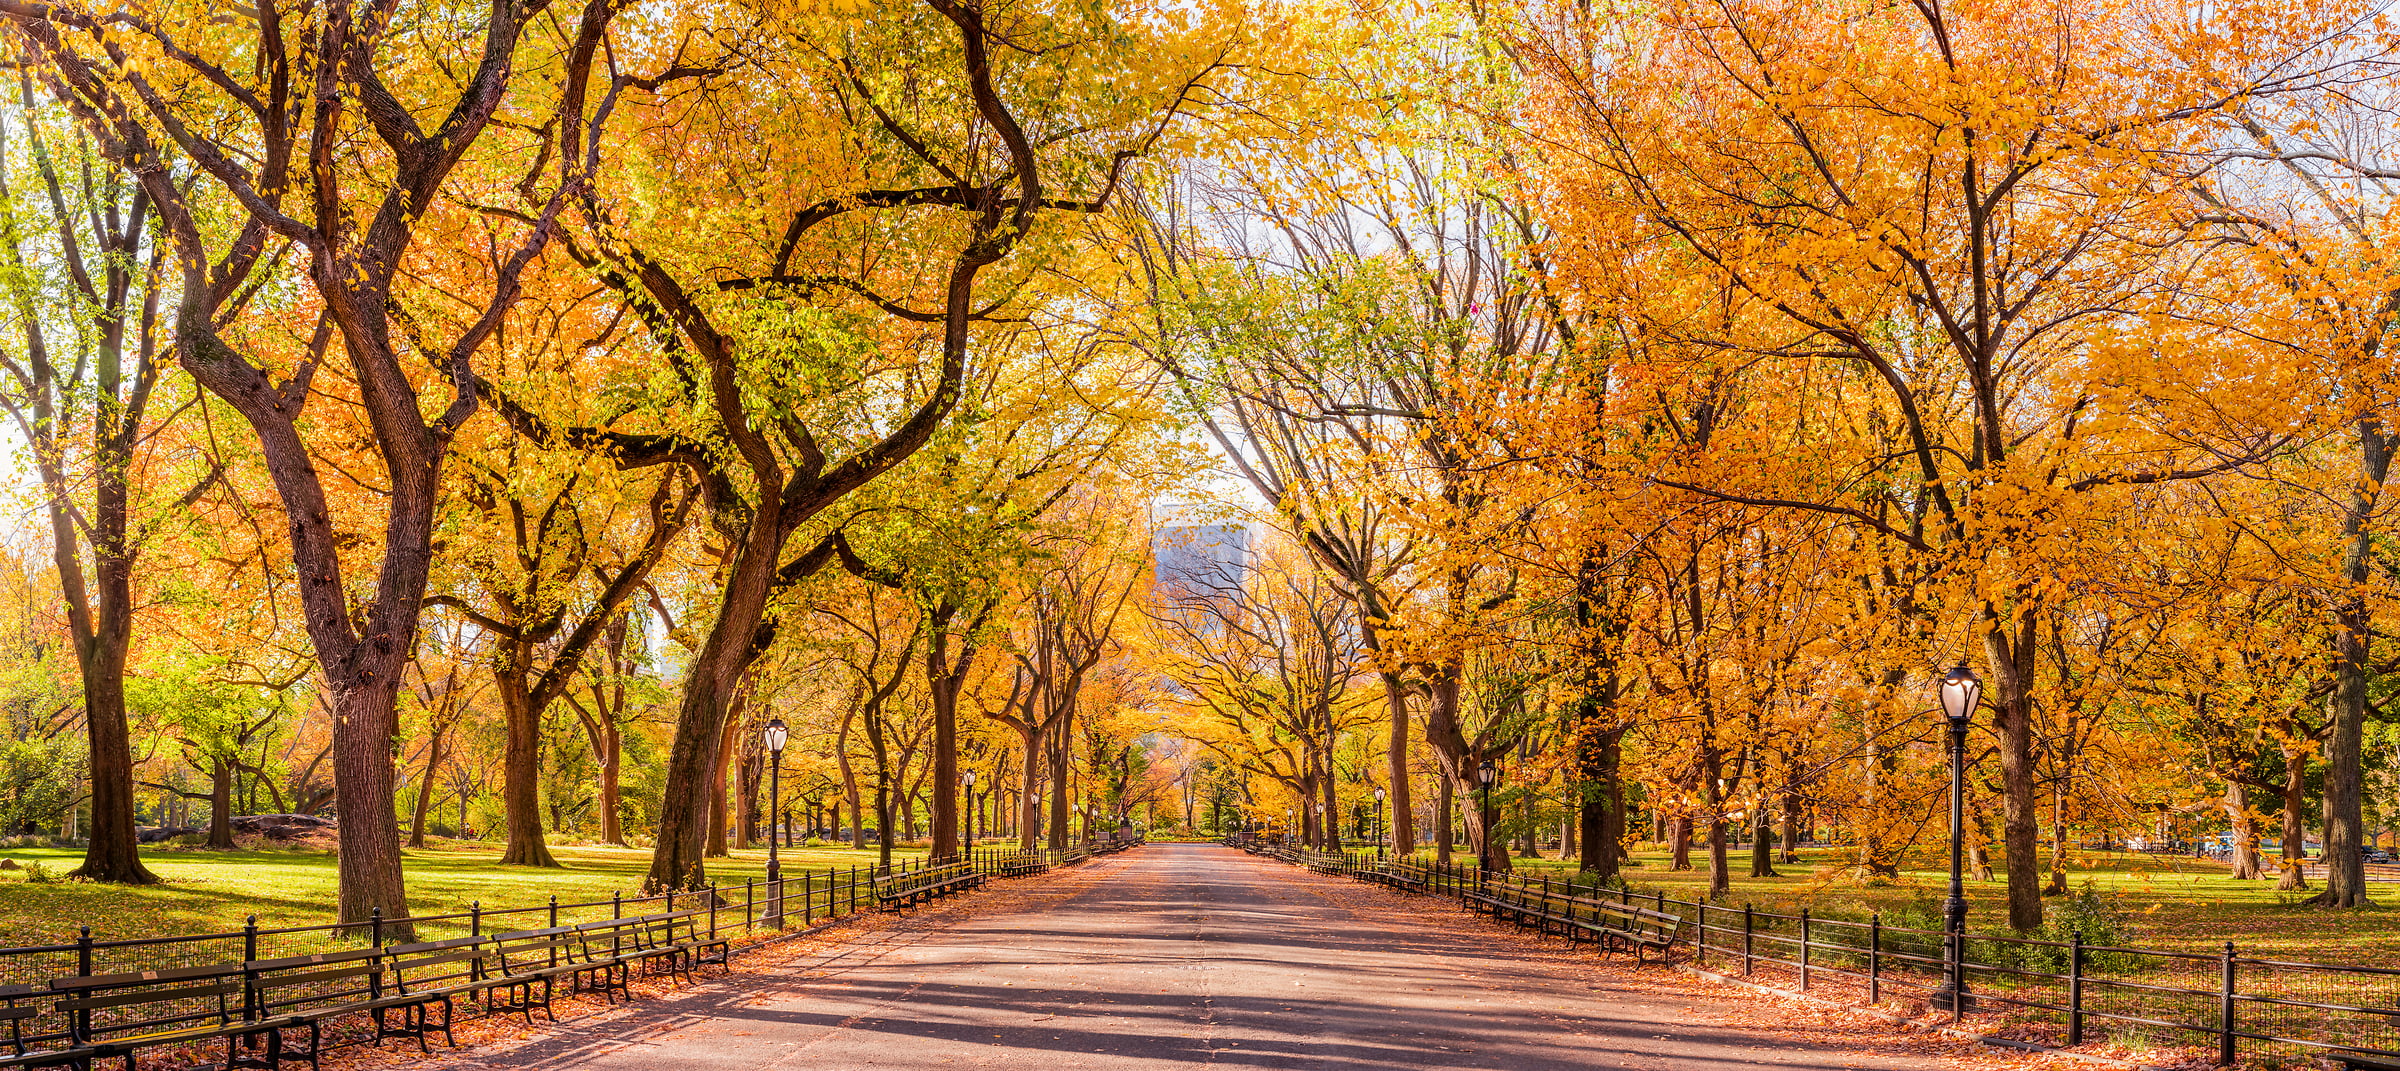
101, 1006
291, 983
523, 951
425, 966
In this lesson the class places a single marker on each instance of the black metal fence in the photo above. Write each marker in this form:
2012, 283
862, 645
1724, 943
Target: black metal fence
2056, 992
723, 913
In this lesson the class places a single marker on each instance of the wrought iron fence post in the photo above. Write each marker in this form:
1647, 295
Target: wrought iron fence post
2225, 1012
1700, 934
616, 903
1875, 958
474, 919
1804, 950
375, 924
83, 967
554, 911
2074, 988
1749, 930
251, 997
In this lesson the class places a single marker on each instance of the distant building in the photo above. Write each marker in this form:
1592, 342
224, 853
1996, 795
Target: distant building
1197, 560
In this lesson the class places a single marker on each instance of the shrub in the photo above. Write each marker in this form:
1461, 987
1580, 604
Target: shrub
37, 874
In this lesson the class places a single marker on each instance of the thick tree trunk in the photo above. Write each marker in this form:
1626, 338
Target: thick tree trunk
1029, 791
2011, 658
1061, 781
1793, 822
1679, 838
2294, 858
2346, 707
114, 851
220, 803
521, 762
1762, 843
368, 864
1444, 837
1396, 772
435, 751
2244, 855
1720, 876
943, 679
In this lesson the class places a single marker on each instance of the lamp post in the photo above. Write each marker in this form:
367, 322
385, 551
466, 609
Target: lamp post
1960, 689
1484, 773
969, 777
1325, 836
776, 734
1379, 822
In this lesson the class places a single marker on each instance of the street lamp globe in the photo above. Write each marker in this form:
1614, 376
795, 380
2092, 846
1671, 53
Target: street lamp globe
1379, 795
970, 778
1960, 690
776, 734
1483, 772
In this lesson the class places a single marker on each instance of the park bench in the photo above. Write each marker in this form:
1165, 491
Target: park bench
920, 886
300, 992
531, 962
16, 1008
672, 944
425, 973
2362, 1061
1633, 926
112, 1016
1019, 864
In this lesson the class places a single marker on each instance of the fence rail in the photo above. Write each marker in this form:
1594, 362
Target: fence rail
723, 913
2066, 991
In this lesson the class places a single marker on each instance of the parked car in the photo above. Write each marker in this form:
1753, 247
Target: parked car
2377, 855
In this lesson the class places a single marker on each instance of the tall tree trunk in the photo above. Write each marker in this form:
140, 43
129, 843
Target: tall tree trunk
1446, 801
1029, 791
2244, 850
1679, 838
1720, 876
435, 752
1396, 772
2294, 860
2346, 707
1762, 842
1061, 781
220, 803
521, 763
2009, 645
1794, 833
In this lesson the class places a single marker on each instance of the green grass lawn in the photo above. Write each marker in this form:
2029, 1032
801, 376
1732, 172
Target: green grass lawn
2167, 902
208, 891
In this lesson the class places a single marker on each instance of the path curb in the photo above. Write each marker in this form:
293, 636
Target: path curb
1961, 1033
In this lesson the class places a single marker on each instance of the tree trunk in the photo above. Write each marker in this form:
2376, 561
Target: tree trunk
434, 753
1679, 835
2294, 861
2011, 657
2346, 707
2244, 855
1061, 830
114, 851
1762, 842
1720, 877
1793, 820
943, 679
521, 764
1446, 800
220, 803
1029, 792
1395, 701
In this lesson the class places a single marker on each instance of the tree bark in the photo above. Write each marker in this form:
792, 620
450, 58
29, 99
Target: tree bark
2293, 863
521, 761
2346, 706
2244, 852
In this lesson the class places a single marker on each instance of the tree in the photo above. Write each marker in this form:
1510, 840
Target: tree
262, 106
1970, 249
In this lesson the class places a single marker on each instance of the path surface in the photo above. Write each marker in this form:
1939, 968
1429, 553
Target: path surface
1176, 955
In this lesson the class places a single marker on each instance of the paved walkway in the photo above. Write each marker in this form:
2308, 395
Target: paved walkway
1175, 955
